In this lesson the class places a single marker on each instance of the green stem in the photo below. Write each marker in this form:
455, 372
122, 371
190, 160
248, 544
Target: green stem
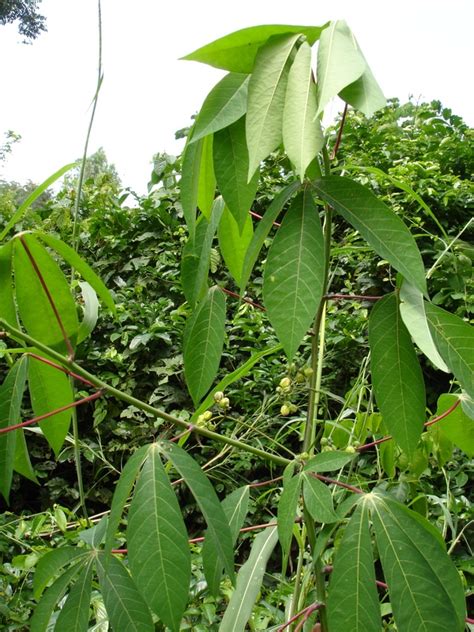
133, 401
299, 570
77, 453
321, 594
100, 77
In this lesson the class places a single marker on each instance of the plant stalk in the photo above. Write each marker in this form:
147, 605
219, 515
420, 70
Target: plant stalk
129, 399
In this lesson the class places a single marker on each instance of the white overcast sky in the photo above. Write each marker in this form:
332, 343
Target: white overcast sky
422, 48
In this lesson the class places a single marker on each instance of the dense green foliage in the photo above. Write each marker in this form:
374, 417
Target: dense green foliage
30, 22
165, 265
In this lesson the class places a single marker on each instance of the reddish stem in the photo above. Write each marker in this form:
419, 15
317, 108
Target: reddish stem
189, 429
339, 134
242, 298
306, 613
84, 400
269, 482
60, 368
257, 216
49, 297
426, 425
331, 481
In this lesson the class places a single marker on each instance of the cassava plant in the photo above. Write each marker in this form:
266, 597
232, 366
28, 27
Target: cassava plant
384, 551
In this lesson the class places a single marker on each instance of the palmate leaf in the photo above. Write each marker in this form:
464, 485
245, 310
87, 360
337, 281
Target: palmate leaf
218, 531
43, 612
125, 606
197, 254
396, 374
7, 303
457, 426
203, 343
207, 179
52, 563
340, 62
122, 491
237, 51
294, 273
22, 463
287, 507
50, 389
328, 461
36, 311
412, 310
263, 228
74, 615
353, 602
318, 500
235, 507
158, 549
11, 396
86, 272
189, 183
425, 589
378, 225
225, 104
364, 94
249, 581
454, 339
234, 243
231, 164
302, 135
266, 100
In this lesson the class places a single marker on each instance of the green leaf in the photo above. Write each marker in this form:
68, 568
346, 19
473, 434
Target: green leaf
396, 375
294, 273
287, 508
74, 614
90, 310
318, 500
249, 581
218, 531
203, 343
457, 426
231, 164
225, 104
22, 463
328, 461
454, 339
122, 491
189, 183
52, 563
378, 225
50, 389
43, 612
353, 602
425, 589
234, 245
235, 507
7, 303
11, 396
34, 196
197, 255
207, 179
79, 265
37, 313
412, 310
158, 549
365, 93
237, 51
302, 135
230, 378
262, 230
266, 100
340, 62
125, 606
